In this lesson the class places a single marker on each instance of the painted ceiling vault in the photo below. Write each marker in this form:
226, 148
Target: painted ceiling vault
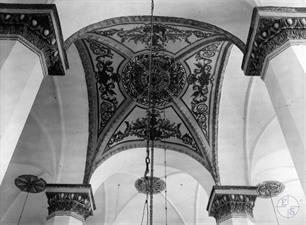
188, 58
88, 127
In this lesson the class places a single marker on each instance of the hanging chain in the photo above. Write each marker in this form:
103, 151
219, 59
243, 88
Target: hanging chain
150, 137
149, 110
165, 171
25, 201
144, 210
166, 192
273, 207
116, 204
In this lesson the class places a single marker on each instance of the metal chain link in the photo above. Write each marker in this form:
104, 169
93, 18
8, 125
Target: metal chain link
150, 139
151, 111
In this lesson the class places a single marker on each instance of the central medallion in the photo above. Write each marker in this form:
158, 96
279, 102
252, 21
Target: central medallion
168, 78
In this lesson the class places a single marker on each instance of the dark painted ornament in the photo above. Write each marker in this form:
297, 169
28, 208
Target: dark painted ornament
168, 78
30, 183
268, 189
143, 185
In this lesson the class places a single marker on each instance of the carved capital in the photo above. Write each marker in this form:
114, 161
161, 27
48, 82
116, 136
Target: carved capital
271, 28
74, 200
37, 26
227, 202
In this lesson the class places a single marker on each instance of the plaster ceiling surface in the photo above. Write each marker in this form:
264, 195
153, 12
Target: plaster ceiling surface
68, 138
188, 58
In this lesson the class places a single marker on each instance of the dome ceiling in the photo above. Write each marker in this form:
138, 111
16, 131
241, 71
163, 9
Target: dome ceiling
188, 58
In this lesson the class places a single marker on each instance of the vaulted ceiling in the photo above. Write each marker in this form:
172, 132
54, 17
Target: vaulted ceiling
88, 126
188, 59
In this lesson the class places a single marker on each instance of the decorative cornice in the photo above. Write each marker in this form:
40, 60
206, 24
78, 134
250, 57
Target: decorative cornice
227, 202
37, 26
271, 28
74, 200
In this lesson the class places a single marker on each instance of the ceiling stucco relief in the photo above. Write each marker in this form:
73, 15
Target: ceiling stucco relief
188, 58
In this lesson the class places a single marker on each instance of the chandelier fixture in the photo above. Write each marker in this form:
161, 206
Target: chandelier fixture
149, 160
148, 184
29, 184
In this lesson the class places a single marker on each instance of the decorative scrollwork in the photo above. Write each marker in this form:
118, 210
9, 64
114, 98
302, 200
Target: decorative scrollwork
106, 79
162, 34
168, 79
160, 129
201, 78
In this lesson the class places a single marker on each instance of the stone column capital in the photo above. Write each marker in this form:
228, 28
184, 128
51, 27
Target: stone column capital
271, 30
228, 202
74, 200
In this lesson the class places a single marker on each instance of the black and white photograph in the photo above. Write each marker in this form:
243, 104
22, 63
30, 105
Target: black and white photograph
152, 112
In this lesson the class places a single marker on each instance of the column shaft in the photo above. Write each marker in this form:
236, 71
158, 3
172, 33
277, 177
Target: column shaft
19, 84
64, 220
285, 79
237, 221
276, 51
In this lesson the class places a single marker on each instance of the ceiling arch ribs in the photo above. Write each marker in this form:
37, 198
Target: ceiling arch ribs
174, 130
183, 111
246, 113
115, 120
175, 208
201, 100
171, 146
189, 50
92, 102
221, 64
44, 131
258, 137
204, 65
196, 199
110, 43
123, 207
188, 63
127, 20
102, 105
